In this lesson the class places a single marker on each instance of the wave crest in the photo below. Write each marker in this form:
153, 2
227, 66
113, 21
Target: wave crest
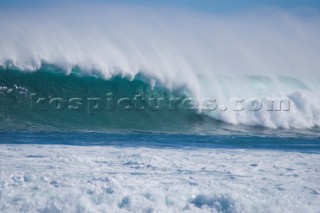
272, 54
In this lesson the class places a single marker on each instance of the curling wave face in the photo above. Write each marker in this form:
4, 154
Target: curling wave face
272, 54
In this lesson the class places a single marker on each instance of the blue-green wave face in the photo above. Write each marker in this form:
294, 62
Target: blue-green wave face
90, 103
50, 100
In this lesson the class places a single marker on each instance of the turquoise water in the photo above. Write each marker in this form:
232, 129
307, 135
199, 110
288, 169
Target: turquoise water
24, 121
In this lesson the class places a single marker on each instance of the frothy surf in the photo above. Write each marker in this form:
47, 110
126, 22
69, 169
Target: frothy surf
56, 179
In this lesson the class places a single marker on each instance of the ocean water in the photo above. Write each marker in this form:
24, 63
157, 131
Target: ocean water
153, 172
132, 109
144, 161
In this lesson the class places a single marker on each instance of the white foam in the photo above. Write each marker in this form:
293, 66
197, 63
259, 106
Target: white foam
57, 178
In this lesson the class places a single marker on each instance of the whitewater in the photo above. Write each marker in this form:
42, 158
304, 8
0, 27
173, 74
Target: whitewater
156, 180
143, 172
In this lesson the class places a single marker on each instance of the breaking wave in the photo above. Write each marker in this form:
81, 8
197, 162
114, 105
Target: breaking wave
273, 54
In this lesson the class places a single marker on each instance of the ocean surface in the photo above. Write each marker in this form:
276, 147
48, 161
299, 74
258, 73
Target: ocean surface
138, 109
59, 160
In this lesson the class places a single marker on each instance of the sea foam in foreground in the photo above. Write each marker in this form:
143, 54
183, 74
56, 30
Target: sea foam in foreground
48, 178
